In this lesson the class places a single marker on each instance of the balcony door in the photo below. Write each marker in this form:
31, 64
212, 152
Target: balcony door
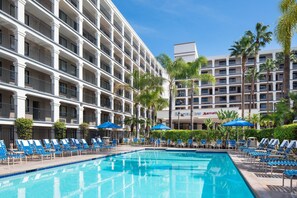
35, 110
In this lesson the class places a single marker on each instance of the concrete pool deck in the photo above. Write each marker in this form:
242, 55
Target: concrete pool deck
263, 184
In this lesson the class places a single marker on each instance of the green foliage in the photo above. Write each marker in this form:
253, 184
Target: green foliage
24, 128
84, 129
60, 130
286, 132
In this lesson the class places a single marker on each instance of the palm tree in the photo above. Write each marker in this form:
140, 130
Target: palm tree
259, 39
252, 76
209, 124
173, 69
190, 74
285, 29
268, 66
243, 49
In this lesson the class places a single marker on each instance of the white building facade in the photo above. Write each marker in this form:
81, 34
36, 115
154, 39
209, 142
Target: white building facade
226, 92
62, 60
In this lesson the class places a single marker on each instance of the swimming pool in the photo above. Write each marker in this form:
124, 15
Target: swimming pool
146, 173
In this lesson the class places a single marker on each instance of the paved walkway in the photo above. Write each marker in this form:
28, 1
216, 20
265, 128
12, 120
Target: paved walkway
264, 184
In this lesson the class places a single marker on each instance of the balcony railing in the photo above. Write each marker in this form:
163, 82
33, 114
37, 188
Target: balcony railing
105, 31
7, 76
68, 93
105, 102
105, 85
117, 26
118, 75
38, 84
39, 114
91, 120
127, 95
105, 67
89, 98
105, 12
10, 8
7, 110
105, 49
91, 38
118, 43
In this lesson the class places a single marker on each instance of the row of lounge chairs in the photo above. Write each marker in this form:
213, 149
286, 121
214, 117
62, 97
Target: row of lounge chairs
50, 148
179, 143
273, 154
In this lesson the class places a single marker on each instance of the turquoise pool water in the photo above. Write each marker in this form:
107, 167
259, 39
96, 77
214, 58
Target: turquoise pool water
140, 174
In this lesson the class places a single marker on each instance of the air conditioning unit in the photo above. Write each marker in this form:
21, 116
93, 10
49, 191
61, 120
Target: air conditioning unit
63, 120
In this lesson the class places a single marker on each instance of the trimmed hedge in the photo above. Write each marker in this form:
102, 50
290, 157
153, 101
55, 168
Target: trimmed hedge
286, 132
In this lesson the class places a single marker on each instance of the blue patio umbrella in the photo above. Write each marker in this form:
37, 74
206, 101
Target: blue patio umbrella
238, 122
160, 127
108, 125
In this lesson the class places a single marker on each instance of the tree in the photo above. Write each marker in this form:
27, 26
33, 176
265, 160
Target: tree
285, 29
243, 49
24, 128
268, 66
84, 129
173, 69
190, 74
259, 39
252, 75
60, 130
209, 124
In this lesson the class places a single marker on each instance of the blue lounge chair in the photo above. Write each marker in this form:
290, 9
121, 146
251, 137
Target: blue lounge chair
85, 145
95, 144
27, 148
231, 144
57, 147
67, 148
19, 144
218, 144
203, 143
291, 174
180, 143
40, 150
125, 140
7, 155
47, 144
142, 140
158, 142
135, 140
190, 143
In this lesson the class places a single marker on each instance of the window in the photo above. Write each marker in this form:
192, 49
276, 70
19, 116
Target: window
0, 68
12, 42
232, 89
222, 81
0, 37
232, 71
27, 49
204, 91
11, 102
91, 59
74, 48
72, 70
222, 98
222, 72
0, 100
196, 99
232, 62
62, 41
63, 111
74, 113
12, 73
262, 87
73, 91
0, 4
204, 99
27, 19
232, 98
262, 58
232, 80
222, 90
263, 97
27, 105
12, 10
263, 106
63, 16
222, 63
62, 65
27, 77
63, 88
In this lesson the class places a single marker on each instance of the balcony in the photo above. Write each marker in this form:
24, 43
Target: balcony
118, 106
89, 77
118, 59
68, 44
70, 92
7, 110
105, 85
89, 16
127, 108
105, 12
105, 66
39, 114
117, 26
127, 95
127, 52
89, 97
118, 43
38, 82
105, 31
118, 75
8, 74
38, 24
7, 39
8, 6
105, 49
68, 21
127, 37
90, 37
105, 102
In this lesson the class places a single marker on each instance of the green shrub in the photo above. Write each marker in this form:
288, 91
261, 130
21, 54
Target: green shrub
60, 130
265, 133
84, 129
286, 132
24, 128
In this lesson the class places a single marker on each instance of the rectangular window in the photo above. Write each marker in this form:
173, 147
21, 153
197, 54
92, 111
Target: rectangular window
262, 96
232, 98
74, 48
73, 91
63, 41
0, 37
27, 77
74, 113
204, 99
196, 99
0, 68
63, 111
12, 73
12, 42
11, 102
63, 88
27, 105
12, 10
232, 62
0, 100
63, 16
27, 49
27, 19
232, 71
62, 65
1, 5
72, 70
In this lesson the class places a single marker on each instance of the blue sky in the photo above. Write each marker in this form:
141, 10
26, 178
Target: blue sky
213, 24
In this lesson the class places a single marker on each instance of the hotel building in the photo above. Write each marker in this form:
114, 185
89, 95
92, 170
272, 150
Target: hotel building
226, 92
61, 60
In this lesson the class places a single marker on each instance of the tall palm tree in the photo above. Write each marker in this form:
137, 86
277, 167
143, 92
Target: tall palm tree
285, 29
243, 49
269, 66
252, 75
173, 69
259, 39
190, 74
